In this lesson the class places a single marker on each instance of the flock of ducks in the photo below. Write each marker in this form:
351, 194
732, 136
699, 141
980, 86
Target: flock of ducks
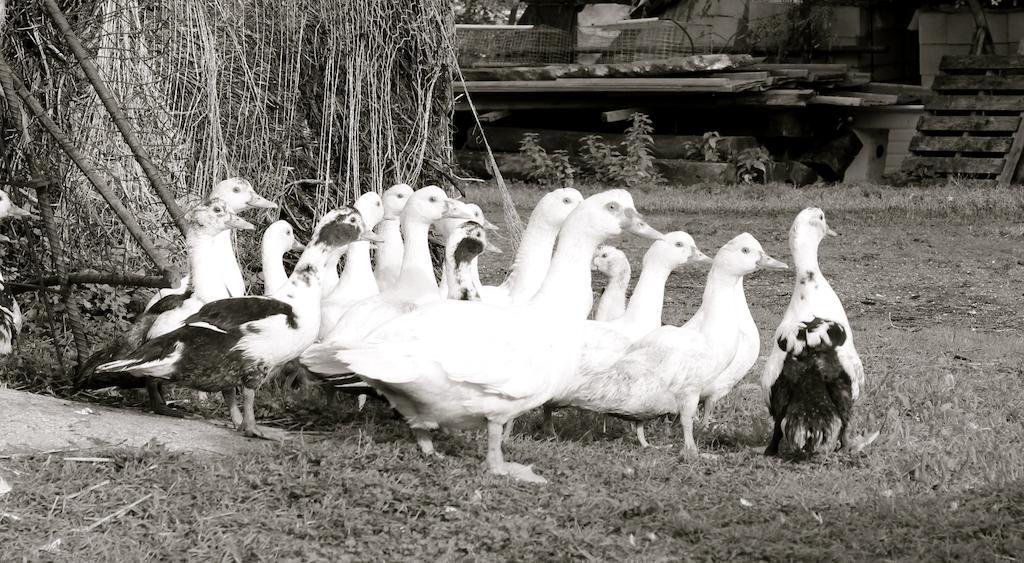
456, 354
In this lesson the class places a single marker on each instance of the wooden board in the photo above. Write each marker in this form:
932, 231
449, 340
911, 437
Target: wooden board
906, 93
976, 103
659, 67
836, 101
959, 165
950, 82
969, 123
961, 144
632, 85
980, 63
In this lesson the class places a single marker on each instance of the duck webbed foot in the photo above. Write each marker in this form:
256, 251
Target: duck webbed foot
249, 428
496, 463
425, 443
157, 404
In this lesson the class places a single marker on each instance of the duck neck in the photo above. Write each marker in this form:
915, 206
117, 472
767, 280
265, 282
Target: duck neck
417, 270
567, 286
274, 275
357, 264
532, 262
390, 251
614, 295
724, 304
302, 291
648, 299
205, 259
463, 283
805, 254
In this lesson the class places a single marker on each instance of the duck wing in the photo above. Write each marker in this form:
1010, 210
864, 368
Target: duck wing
231, 314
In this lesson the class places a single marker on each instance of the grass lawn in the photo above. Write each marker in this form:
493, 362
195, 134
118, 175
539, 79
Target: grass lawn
931, 279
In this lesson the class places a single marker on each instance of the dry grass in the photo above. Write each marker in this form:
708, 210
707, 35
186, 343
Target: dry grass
929, 287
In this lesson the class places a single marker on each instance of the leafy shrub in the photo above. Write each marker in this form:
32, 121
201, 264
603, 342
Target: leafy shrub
554, 168
752, 165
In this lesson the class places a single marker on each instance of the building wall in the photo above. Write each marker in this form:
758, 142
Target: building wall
948, 32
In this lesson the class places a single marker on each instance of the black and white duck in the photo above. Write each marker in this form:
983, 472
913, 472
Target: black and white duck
238, 341
10, 313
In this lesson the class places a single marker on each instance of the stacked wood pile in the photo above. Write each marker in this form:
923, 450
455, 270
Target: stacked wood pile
685, 91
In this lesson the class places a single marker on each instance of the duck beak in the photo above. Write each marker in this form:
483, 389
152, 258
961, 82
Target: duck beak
769, 263
15, 211
451, 211
830, 232
701, 258
634, 223
371, 236
488, 247
240, 224
298, 246
389, 218
490, 226
261, 202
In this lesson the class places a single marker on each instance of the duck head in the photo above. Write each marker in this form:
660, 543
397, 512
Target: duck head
809, 227
395, 199
8, 209
458, 213
279, 238
610, 261
214, 217
674, 250
553, 209
239, 195
478, 216
371, 207
608, 214
429, 205
467, 241
743, 255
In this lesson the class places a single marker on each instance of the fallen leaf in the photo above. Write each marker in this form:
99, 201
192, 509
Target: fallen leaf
52, 547
5, 487
86, 410
746, 502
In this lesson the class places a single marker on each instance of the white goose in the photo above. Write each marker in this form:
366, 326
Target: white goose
670, 369
238, 341
10, 312
605, 342
533, 258
391, 249
237, 194
357, 281
278, 239
613, 263
813, 297
505, 360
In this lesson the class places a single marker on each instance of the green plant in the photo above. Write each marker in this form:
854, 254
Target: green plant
638, 161
752, 165
709, 147
543, 167
600, 160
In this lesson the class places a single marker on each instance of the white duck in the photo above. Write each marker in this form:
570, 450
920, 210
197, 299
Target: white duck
533, 258
238, 341
505, 360
605, 342
813, 297
278, 239
416, 284
357, 281
614, 264
391, 249
10, 312
670, 369
237, 194
446, 227
464, 245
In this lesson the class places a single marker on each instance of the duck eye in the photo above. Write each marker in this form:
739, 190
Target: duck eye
612, 206
217, 210
236, 189
746, 250
604, 256
433, 199
567, 201
400, 196
679, 244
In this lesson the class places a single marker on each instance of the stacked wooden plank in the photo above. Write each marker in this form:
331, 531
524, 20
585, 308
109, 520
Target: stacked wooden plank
974, 126
746, 81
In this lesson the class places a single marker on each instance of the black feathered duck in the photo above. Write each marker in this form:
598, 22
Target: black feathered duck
238, 341
10, 313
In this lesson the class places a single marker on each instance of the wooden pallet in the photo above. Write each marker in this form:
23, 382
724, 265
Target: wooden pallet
974, 125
